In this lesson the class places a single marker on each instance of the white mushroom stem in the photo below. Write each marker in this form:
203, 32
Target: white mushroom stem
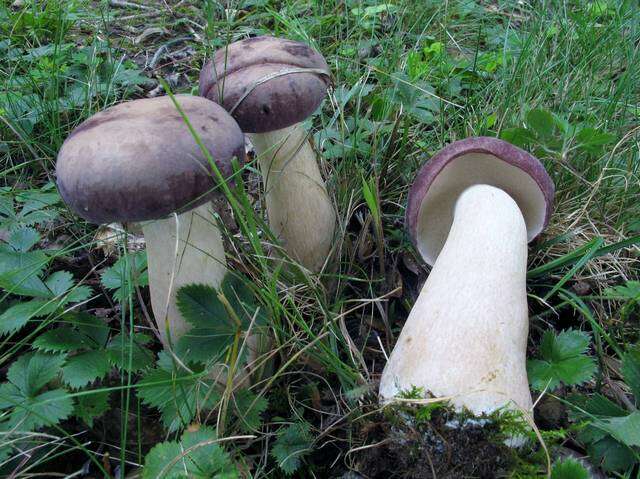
466, 336
183, 249
300, 211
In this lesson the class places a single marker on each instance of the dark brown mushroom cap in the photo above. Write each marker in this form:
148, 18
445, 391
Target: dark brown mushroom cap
255, 65
468, 162
138, 161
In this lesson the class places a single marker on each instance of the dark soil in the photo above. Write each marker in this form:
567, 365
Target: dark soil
445, 447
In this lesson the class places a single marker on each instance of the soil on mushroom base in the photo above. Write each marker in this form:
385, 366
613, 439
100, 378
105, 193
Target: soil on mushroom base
436, 448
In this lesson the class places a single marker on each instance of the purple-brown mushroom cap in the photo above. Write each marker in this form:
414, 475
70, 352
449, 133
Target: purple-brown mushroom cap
139, 161
468, 162
248, 78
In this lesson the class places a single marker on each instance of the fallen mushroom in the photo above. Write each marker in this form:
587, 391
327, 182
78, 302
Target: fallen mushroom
138, 162
471, 211
270, 85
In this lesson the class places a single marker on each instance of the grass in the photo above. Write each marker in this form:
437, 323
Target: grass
556, 77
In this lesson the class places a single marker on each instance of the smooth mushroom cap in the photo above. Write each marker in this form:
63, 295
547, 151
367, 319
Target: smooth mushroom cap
138, 161
473, 161
254, 67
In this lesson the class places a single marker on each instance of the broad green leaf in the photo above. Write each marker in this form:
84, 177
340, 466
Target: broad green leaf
292, 444
61, 339
611, 455
542, 122
518, 136
625, 429
563, 360
85, 367
593, 140
32, 371
16, 316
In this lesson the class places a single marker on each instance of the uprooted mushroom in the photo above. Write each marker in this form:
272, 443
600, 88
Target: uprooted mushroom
471, 211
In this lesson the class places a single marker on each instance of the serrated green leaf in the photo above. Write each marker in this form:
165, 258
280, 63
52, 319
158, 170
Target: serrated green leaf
32, 371
79, 294
542, 122
610, 455
177, 394
119, 352
163, 462
629, 291
213, 332
63, 339
86, 367
631, 371
569, 469
34, 200
22, 239
17, 316
91, 406
248, 409
214, 329
132, 267
624, 429
292, 444
565, 345
563, 361
195, 457
59, 283
10, 395
19, 273
200, 306
46, 409
90, 326
206, 459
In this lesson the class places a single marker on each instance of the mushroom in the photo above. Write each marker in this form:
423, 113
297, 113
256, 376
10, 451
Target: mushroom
471, 211
270, 85
139, 162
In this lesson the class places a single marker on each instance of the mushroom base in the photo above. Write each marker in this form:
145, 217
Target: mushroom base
300, 211
465, 338
183, 249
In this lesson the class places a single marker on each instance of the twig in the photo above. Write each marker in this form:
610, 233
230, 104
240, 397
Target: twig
125, 4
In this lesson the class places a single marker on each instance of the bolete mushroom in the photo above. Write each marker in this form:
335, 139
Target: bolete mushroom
139, 162
471, 211
270, 85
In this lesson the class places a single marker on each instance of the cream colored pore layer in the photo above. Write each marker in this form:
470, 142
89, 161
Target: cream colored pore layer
436, 211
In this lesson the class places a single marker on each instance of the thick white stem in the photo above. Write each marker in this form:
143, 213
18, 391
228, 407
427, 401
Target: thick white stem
188, 252
299, 208
466, 336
